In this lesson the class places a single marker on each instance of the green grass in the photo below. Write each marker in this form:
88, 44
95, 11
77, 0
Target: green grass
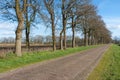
109, 66
11, 61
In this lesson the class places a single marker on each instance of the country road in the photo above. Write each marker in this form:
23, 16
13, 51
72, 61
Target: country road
72, 67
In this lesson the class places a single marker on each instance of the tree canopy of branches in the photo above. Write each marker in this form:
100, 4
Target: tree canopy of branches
78, 15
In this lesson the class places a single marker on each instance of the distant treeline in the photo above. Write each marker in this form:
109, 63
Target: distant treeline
41, 40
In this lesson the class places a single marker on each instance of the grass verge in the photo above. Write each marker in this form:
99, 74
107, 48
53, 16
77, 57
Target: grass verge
109, 66
11, 61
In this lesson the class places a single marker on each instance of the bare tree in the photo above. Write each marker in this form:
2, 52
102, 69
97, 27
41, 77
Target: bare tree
50, 8
16, 10
75, 13
65, 9
73, 17
20, 9
88, 11
30, 15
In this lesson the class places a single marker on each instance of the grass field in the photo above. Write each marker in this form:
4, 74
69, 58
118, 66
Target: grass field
11, 61
109, 66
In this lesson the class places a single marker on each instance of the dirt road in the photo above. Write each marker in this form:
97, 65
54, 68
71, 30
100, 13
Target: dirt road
72, 67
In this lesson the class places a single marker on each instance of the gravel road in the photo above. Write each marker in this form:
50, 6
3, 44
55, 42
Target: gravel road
72, 67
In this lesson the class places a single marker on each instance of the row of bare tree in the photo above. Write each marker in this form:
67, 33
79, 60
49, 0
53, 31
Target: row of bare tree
78, 15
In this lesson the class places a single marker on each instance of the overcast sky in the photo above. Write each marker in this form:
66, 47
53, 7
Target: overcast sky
108, 9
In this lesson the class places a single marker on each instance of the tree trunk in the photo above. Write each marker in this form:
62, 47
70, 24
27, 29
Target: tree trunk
95, 40
73, 33
27, 27
64, 31
92, 38
89, 39
27, 38
61, 40
85, 38
64, 35
53, 33
18, 39
73, 37
64, 21
64, 41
